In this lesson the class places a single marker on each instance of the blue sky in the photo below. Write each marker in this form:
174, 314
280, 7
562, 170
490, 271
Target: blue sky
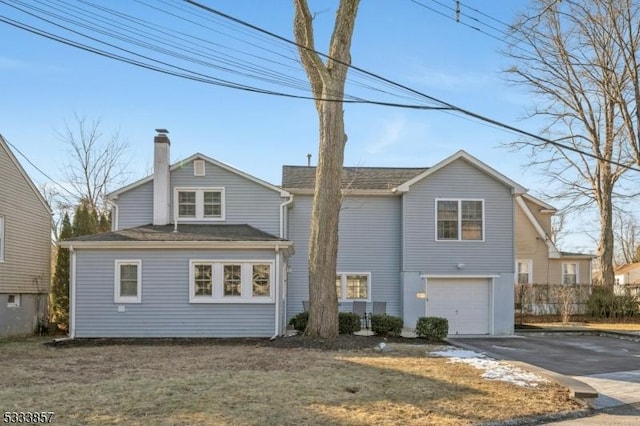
45, 83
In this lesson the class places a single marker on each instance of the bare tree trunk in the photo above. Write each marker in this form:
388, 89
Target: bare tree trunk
327, 83
605, 243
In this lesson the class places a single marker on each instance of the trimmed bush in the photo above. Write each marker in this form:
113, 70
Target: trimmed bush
603, 303
299, 322
432, 328
386, 325
348, 322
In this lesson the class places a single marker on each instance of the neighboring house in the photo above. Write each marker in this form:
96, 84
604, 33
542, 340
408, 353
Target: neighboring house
538, 260
627, 279
201, 249
25, 249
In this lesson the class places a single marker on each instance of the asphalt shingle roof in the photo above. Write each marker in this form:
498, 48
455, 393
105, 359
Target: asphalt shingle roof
186, 232
386, 178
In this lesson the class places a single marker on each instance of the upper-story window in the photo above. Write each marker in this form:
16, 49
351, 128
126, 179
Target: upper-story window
199, 203
569, 273
459, 220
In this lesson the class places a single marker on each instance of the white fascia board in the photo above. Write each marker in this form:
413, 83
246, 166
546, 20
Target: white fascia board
546, 208
14, 160
517, 188
554, 253
197, 156
231, 169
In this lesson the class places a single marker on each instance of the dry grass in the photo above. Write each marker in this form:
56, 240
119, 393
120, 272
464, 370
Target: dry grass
581, 322
240, 384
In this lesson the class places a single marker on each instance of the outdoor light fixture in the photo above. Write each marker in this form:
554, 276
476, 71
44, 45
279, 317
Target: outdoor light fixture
460, 266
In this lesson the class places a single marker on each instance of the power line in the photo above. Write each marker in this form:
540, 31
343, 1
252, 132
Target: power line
448, 106
183, 72
32, 164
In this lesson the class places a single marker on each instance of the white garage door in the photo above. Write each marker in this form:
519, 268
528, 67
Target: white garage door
463, 301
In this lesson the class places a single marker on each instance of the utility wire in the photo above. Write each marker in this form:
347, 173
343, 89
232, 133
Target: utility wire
31, 163
171, 69
448, 106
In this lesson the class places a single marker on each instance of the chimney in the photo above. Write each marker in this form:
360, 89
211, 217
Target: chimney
161, 182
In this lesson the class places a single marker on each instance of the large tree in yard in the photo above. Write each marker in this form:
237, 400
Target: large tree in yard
581, 60
327, 81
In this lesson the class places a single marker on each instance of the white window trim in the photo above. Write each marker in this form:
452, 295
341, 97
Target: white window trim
116, 292
2, 240
246, 284
343, 286
459, 200
577, 272
530, 267
16, 301
199, 204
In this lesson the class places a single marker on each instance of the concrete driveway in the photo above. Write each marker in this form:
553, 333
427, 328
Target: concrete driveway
609, 364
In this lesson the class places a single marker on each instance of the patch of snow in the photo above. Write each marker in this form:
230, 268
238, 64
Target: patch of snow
493, 370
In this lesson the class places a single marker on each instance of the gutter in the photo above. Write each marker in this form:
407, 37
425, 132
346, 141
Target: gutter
277, 295
283, 213
72, 293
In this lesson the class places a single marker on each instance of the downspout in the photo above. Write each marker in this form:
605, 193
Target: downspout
72, 294
283, 213
277, 295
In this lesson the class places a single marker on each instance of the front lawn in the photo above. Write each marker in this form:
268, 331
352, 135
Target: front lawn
251, 382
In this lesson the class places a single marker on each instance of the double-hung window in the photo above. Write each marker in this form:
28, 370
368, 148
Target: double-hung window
231, 282
199, 204
459, 220
128, 281
353, 286
524, 271
569, 273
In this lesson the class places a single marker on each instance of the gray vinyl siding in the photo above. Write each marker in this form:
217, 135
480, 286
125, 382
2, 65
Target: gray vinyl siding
135, 207
246, 202
458, 180
369, 241
165, 310
27, 233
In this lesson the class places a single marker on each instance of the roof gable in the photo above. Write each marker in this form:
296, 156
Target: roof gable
627, 268
462, 155
5, 146
198, 156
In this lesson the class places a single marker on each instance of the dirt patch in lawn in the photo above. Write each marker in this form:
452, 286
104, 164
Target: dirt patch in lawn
288, 381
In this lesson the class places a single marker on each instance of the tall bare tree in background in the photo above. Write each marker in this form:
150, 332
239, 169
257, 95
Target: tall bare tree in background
626, 230
327, 83
96, 163
580, 57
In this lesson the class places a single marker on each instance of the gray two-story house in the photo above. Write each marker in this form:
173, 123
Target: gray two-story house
433, 241
201, 249
25, 249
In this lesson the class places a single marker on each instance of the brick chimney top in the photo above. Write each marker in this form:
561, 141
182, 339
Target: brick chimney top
162, 137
